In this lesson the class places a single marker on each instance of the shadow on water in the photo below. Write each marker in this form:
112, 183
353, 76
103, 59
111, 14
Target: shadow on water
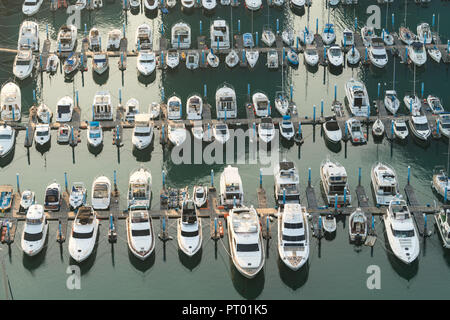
100, 79
312, 69
336, 71
333, 147
151, 14
4, 161
142, 265
144, 155
95, 150
190, 262
43, 148
146, 80
405, 271
34, 262
87, 264
293, 279
247, 288
298, 11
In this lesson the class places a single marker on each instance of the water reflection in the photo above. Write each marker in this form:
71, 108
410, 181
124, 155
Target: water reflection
190, 262
142, 265
247, 288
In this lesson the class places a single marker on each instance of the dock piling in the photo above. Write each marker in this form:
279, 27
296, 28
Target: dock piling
335, 202
309, 176
200, 27
260, 178
65, 181
115, 181
212, 178
409, 174
359, 176
321, 108
17, 181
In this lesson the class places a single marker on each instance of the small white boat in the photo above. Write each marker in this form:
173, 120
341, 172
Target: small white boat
268, 36
384, 183
135, 4
53, 198
151, 5
329, 223
131, 109
400, 129
220, 34
142, 132
71, 64
435, 104
288, 36
23, 64
406, 36
261, 104
412, 102
177, 133
154, 109
83, 235
357, 136
424, 33
187, 4
221, 132
391, 101
94, 134
100, 63
101, 193
311, 56
174, 108
11, 102
30, 7
377, 53
94, 40
212, 59
441, 182
272, 59
226, 102
140, 234
348, 38
287, 130
232, 59
306, 37
102, 108
146, 62
26, 200
67, 38
139, 189
7, 140
209, 5
231, 188
333, 2
444, 124
28, 36
335, 56
42, 134
286, 183
357, 98
200, 196
357, 229
419, 127
328, 34
52, 63
114, 37
252, 57
353, 56
253, 5
181, 35
367, 33
197, 131
282, 102
378, 128
192, 60
143, 39
35, 230
435, 54
443, 225
332, 131
189, 231
171, 3
172, 58
78, 195
194, 107
387, 38
266, 130
63, 135
417, 53
297, 4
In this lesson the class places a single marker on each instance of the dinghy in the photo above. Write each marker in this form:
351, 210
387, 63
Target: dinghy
83, 235
140, 234
26, 200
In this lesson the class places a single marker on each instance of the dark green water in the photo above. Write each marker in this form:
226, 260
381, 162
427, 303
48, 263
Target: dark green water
336, 269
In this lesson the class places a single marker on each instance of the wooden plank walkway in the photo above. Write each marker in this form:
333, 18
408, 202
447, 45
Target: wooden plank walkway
419, 215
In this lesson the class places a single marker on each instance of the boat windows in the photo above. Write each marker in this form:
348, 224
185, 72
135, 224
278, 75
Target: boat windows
189, 234
289, 197
247, 247
64, 109
232, 195
94, 135
5, 137
421, 126
42, 133
82, 235
403, 233
293, 238
23, 62
400, 127
34, 221
379, 56
387, 190
141, 134
358, 101
140, 233
30, 3
51, 198
339, 189
297, 225
32, 236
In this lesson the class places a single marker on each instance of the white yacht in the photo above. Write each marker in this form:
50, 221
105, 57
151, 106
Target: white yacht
10, 102
401, 231
282, 102
418, 124
192, 60
7, 140
94, 40
139, 189
67, 38
42, 134
406, 36
189, 230
311, 56
272, 59
151, 5
78, 195
245, 241
71, 64
53, 198
252, 56
142, 132
417, 53
412, 103
443, 225
200, 196
287, 183
348, 38
435, 53
114, 37
367, 33
83, 235
221, 133
424, 33
293, 235
143, 37
435, 104
332, 131
391, 102
354, 127
27, 199
101, 193
400, 129
441, 182
286, 128
44, 113
174, 108
23, 64
261, 104
146, 62
64, 109
100, 63
31, 7
226, 102
94, 134
328, 34
140, 234
212, 59
102, 108
358, 226
172, 58
335, 56
334, 182
377, 53
181, 36
131, 109
268, 36
194, 108
154, 110
176, 133
35, 230
231, 190
384, 183
444, 124
253, 5
305, 36
28, 36
209, 5
220, 34
266, 130
357, 97
52, 63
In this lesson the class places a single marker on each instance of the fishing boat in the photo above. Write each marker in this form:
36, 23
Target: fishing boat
221, 132
140, 234
154, 109
26, 200
94, 134
102, 108
401, 231
378, 128
328, 34
443, 225
334, 183
424, 33
197, 130
71, 64
52, 201
212, 59
288, 36
63, 135
231, 189
306, 37
44, 113
100, 63
329, 223
272, 59
384, 183
146, 62
28, 36
412, 102
177, 133
367, 33
417, 53
101, 193
435, 54
441, 182
142, 132
406, 36
209, 5
232, 59
181, 35
114, 37
332, 131
139, 189
67, 38
253, 5
189, 230
7, 140
348, 38
83, 235
357, 136
292, 57
220, 36
172, 58
64, 109
377, 53
400, 129
357, 98
261, 104
443, 121
11, 102
23, 64
226, 102
435, 104
286, 182
418, 124
245, 241
31, 7
293, 235
194, 108
311, 56
200, 196
35, 230
143, 37
42, 134
335, 56
94, 40
391, 101
174, 108
78, 195
187, 4
52, 63
131, 109
297, 4
151, 5
266, 130
252, 56
357, 229
268, 36
353, 56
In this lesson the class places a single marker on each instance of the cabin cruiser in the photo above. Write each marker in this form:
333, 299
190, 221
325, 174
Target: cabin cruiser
11, 102
231, 189
297, 4
328, 35
282, 102
226, 102
64, 109
287, 183
348, 38
435, 53
131, 109
172, 58
174, 108
187, 4
143, 37
102, 108
177, 133
31, 7
42, 134
286, 128
220, 36
292, 57
154, 109
358, 226
335, 56
63, 135
189, 231
100, 63
94, 134
78, 195
212, 59
357, 136
245, 241
444, 124
412, 102
114, 37
293, 235
266, 130
67, 38
384, 183
52, 63
71, 64
146, 62
311, 56
252, 56
94, 40
142, 132
23, 64
417, 53
353, 56
28, 36
401, 231
194, 108
200, 196
139, 189
221, 132
209, 5
272, 59
441, 182
391, 101
306, 37
52, 201
35, 230
192, 60
101, 193
378, 128
261, 104
424, 33
418, 125
332, 131
181, 35
267, 36
7, 140
400, 129
377, 53
367, 33
151, 5
443, 225
435, 104
406, 36
83, 235
288, 36
26, 200
357, 97
334, 182
140, 234
253, 5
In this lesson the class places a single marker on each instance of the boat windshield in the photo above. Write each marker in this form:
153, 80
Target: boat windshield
140, 233
379, 56
32, 236
293, 238
30, 3
297, 225
82, 235
400, 127
141, 134
5, 136
63, 108
189, 233
23, 62
421, 126
336, 52
247, 247
94, 135
51, 198
41, 133
34, 221
403, 233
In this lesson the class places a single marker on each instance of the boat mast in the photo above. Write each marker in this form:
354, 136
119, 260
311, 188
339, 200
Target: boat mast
393, 77
231, 9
